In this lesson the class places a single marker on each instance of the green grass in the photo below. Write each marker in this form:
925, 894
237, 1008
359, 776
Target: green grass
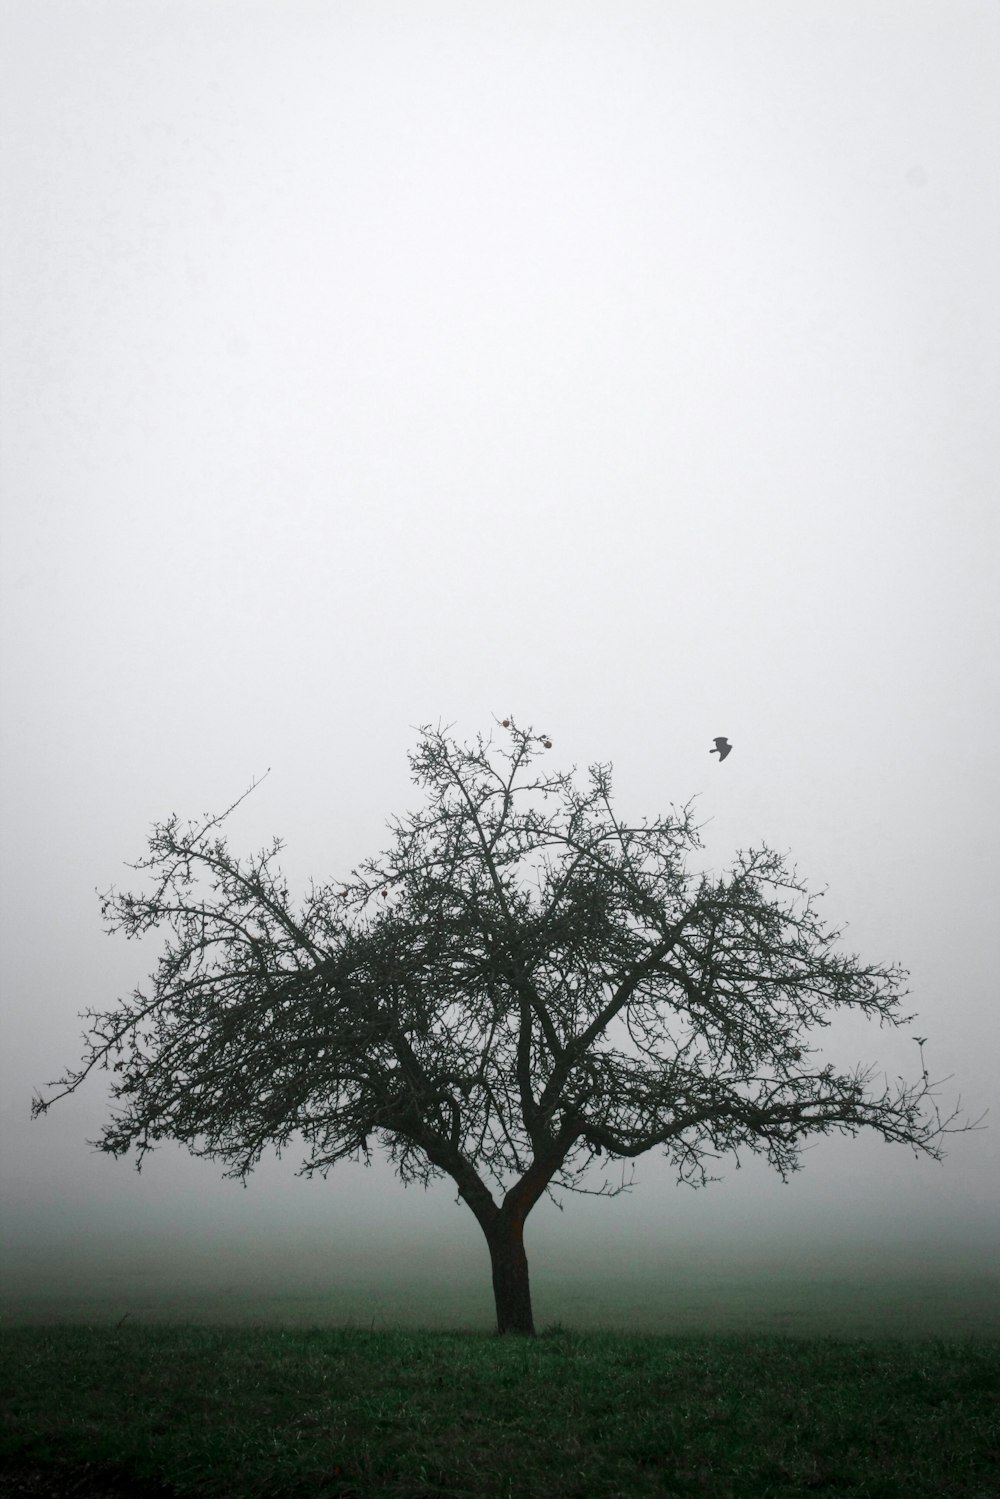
347, 1413
852, 1295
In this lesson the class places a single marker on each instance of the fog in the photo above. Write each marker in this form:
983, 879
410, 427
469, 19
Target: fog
629, 367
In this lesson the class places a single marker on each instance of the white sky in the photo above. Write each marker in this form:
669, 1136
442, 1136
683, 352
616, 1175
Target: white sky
632, 367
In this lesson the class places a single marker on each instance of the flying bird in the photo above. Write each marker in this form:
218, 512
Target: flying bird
722, 748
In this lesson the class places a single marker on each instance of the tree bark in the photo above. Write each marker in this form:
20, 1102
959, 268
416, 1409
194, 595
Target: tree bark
511, 1289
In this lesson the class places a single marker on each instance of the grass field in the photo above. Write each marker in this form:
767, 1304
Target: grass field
141, 1372
347, 1413
854, 1295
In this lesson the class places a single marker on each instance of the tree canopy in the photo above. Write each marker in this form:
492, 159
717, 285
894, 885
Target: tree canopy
521, 986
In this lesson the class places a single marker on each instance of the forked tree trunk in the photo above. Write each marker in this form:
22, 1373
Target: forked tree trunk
510, 1275
504, 1228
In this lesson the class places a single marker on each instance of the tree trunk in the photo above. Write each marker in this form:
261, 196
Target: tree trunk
510, 1275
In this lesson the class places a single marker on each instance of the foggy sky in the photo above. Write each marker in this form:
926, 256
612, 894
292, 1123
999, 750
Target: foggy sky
630, 367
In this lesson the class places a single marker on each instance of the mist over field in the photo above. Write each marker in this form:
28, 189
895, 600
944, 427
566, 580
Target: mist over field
628, 367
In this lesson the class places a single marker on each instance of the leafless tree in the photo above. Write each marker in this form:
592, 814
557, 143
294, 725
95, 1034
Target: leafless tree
521, 984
